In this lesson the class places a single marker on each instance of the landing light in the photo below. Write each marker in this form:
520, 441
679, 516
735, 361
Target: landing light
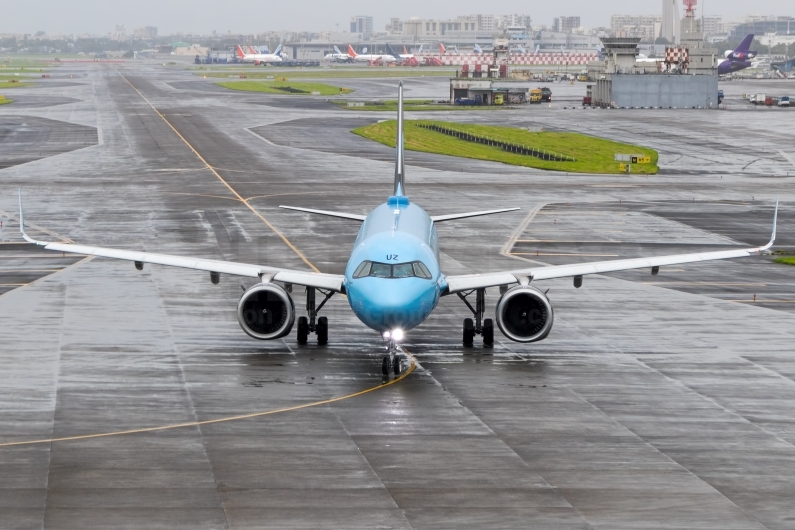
397, 335
386, 334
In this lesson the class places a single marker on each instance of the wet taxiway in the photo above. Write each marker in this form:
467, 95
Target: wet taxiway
656, 402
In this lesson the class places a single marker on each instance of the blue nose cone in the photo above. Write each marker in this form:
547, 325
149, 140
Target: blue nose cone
387, 303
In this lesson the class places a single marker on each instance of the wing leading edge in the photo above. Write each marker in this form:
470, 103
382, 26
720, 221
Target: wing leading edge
333, 282
523, 276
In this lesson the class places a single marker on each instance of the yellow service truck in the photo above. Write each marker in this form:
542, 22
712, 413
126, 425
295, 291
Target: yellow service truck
535, 95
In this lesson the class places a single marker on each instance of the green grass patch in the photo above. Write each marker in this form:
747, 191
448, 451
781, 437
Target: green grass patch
785, 261
327, 73
285, 87
4, 84
5, 101
592, 154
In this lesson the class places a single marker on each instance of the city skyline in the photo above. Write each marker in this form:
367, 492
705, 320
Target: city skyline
171, 17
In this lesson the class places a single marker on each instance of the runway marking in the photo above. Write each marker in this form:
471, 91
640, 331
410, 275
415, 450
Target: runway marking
401, 377
225, 183
570, 254
35, 227
721, 284
12, 284
785, 155
59, 271
759, 301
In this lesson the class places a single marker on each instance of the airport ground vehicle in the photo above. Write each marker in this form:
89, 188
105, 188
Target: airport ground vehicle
546, 94
586, 101
757, 99
720, 97
498, 99
535, 95
465, 101
783, 101
393, 278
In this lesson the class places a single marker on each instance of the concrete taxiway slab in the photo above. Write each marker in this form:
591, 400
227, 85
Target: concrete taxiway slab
656, 402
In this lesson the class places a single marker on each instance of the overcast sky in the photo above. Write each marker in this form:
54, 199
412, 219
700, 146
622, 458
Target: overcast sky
247, 16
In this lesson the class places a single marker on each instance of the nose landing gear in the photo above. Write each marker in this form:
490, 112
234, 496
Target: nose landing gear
391, 362
313, 323
481, 326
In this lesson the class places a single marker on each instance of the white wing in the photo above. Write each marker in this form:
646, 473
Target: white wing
332, 282
479, 281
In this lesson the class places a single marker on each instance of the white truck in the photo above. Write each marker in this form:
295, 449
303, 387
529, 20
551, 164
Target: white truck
783, 101
757, 99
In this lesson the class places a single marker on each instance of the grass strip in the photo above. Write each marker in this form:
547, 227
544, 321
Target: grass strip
8, 84
320, 73
285, 87
785, 261
591, 154
5, 101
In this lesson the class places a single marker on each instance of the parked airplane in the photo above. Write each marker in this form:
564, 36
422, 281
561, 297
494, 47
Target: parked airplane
260, 58
785, 67
393, 279
477, 49
739, 59
368, 57
338, 56
401, 56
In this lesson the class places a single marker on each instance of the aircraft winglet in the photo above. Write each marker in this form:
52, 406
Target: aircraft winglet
773, 235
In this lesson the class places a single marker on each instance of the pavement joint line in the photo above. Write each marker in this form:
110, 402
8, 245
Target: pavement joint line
59, 271
219, 177
63, 239
238, 417
785, 155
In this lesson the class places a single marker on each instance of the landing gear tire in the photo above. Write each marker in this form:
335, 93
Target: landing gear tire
322, 330
488, 333
385, 366
396, 365
469, 332
303, 330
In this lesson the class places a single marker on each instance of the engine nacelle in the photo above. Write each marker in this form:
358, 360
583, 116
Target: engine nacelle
524, 314
266, 312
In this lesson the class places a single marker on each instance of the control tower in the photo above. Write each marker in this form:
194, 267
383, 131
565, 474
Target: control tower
701, 59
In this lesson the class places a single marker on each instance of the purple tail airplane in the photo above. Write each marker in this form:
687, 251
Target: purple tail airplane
739, 59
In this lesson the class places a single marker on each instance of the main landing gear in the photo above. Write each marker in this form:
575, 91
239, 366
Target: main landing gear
391, 362
481, 326
314, 324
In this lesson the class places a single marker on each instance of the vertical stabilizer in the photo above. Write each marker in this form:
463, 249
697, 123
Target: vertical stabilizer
745, 45
400, 190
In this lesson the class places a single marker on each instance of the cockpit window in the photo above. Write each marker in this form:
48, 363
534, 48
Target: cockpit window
402, 270
387, 270
381, 270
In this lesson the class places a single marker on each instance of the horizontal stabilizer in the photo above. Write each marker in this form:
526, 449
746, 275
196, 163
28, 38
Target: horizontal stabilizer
341, 215
450, 217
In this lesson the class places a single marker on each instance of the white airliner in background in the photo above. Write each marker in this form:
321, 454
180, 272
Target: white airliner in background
367, 57
393, 279
338, 56
260, 58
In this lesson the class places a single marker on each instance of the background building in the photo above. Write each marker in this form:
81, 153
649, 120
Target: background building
362, 25
566, 24
671, 21
759, 25
647, 27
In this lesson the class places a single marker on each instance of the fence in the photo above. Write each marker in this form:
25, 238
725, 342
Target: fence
511, 148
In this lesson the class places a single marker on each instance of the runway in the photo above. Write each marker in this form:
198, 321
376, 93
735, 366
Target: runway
656, 402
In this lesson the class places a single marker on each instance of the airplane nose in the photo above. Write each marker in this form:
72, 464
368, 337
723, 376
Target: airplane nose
385, 304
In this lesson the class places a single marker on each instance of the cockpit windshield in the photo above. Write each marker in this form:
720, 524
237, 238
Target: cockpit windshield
387, 270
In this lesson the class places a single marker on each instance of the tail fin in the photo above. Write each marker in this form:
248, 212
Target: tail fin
745, 45
405, 51
599, 52
399, 158
337, 50
477, 49
420, 50
278, 50
441, 49
240, 52
351, 51
538, 47
521, 49
455, 48
391, 52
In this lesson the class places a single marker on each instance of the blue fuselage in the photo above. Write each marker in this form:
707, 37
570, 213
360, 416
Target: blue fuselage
383, 289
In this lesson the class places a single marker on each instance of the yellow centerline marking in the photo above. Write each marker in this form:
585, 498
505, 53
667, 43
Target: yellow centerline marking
239, 417
225, 183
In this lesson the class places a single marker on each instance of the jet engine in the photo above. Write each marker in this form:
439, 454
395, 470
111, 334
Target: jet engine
266, 312
524, 314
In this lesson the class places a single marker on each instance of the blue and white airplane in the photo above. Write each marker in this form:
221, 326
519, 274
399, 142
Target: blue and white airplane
393, 279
